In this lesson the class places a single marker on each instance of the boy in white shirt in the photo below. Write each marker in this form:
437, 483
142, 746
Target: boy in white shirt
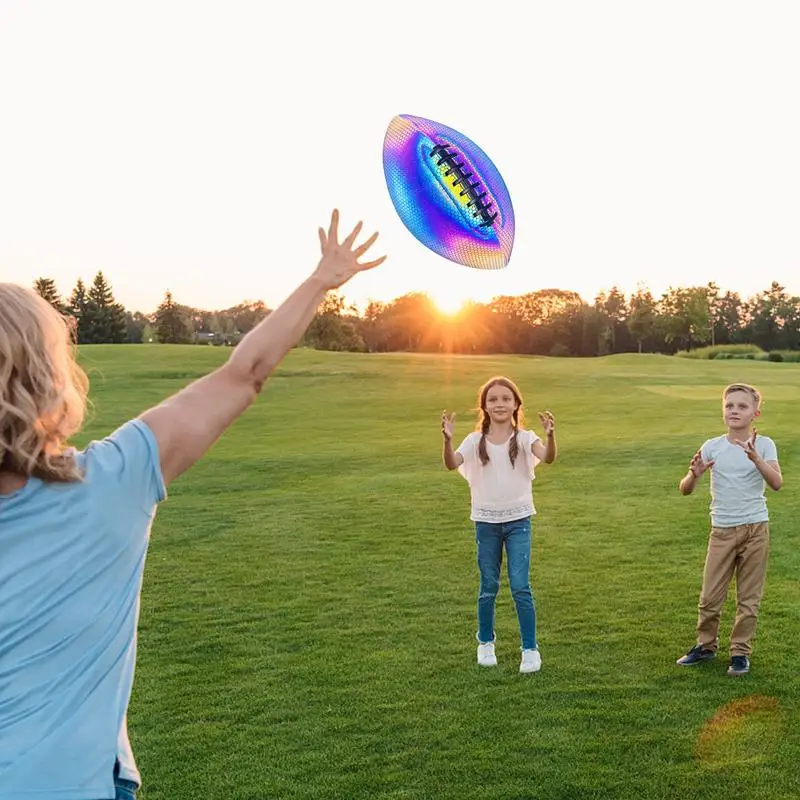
741, 463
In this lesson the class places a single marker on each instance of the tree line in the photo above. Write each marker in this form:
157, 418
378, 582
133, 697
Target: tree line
97, 318
545, 322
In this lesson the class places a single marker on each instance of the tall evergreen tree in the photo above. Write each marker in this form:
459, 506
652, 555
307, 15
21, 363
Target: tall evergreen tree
171, 324
77, 308
106, 317
46, 288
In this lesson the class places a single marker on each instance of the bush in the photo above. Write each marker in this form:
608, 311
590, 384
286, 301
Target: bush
722, 351
792, 356
740, 356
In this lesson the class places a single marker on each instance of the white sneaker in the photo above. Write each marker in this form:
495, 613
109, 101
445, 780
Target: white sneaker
486, 656
531, 661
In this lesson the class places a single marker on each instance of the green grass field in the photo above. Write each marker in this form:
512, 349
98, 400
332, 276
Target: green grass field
308, 615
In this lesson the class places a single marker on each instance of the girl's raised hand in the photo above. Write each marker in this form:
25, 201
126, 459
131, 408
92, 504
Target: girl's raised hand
448, 425
548, 422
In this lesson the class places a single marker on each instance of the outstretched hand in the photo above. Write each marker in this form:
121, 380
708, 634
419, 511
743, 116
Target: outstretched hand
339, 262
448, 424
548, 422
749, 446
698, 466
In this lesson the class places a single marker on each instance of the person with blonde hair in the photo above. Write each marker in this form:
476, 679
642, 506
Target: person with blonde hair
742, 463
75, 525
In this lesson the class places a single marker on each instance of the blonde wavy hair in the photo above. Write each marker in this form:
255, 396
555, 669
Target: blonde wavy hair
42, 388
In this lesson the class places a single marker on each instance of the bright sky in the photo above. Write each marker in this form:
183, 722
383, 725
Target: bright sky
197, 146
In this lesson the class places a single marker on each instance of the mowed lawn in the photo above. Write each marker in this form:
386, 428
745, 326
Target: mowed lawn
308, 615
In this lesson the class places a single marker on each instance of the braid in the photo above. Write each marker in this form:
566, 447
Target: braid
482, 454
513, 445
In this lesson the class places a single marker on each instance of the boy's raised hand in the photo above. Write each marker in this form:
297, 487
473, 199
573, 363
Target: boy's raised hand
749, 446
448, 423
698, 466
548, 422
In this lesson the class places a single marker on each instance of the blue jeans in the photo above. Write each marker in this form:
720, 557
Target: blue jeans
126, 790
490, 538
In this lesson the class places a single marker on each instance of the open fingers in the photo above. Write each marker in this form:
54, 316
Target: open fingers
323, 240
361, 249
747, 447
547, 418
348, 242
372, 264
333, 230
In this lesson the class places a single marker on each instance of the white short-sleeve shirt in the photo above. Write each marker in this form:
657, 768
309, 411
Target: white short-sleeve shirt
737, 487
500, 492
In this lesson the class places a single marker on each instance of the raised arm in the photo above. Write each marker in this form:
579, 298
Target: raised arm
696, 469
452, 460
770, 470
548, 452
188, 423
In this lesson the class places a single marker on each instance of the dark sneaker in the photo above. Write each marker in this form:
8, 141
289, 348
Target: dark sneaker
696, 656
740, 665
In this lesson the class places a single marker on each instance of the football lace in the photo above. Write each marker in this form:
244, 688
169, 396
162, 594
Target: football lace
468, 187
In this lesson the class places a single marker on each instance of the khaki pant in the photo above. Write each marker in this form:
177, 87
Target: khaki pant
741, 551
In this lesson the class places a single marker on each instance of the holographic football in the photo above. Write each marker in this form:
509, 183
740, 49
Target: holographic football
448, 192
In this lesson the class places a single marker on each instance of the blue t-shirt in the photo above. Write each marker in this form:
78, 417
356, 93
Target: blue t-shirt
71, 563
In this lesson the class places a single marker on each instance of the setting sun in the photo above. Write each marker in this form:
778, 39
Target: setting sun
449, 306
448, 302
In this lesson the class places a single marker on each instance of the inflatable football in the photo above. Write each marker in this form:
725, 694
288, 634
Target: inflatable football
448, 192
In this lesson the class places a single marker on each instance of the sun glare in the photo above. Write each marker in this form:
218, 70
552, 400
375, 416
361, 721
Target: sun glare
448, 304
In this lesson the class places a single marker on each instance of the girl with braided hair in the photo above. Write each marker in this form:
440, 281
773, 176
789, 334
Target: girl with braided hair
498, 460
